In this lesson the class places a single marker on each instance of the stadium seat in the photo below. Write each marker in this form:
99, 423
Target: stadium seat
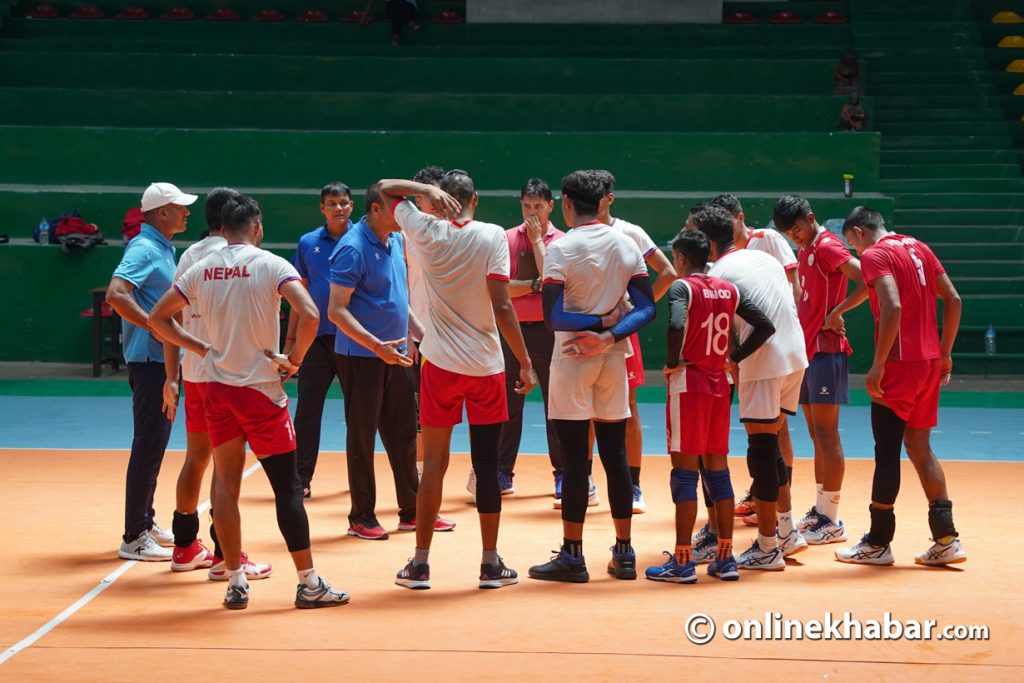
222, 14
448, 17
43, 12
1012, 42
1007, 17
353, 17
785, 18
1019, 90
1015, 67
312, 16
740, 18
831, 18
268, 15
87, 12
132, 13
178, 14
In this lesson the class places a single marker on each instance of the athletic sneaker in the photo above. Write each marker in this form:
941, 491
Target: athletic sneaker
415, 576
505, 483
792, 544
195, 556
497, 575
939, 554
440, 524
809, 519
592, 497
164, 538
726, 570
471, 484
865, 553
755, 558
561, 567
750, 520
253, 570
558, 487
145, 549
825, 531
705, 546
639, 506
672, 571
368, 528
236, 597
321, 596
622, 565
745, 506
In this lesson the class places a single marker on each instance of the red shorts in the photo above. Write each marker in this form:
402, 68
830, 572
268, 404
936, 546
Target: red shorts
911, 389
232, 412
443, 393
697, 423
195, 410
635, 363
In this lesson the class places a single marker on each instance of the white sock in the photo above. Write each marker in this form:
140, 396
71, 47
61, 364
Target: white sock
785, 523
766, 543
820, 500
309, 577
830, 506
236, 577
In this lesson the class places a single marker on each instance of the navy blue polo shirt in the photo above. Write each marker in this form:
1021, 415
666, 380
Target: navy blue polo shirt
313, 261
377, 272
148, 263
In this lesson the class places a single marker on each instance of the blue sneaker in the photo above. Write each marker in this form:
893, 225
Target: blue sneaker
622, 566
726, 570
639, 505
558, 486
705, 546
672, 571
505, 483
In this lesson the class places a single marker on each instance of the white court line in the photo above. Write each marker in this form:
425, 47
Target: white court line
103, 585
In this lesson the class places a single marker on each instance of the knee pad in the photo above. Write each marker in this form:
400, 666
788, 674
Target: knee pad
709, 502
940, 519
683, 484
789, 475
719, 484
781, 470
763, 467
291, 514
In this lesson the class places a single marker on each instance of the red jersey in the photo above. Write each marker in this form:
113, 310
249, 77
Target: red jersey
914, 267
529, 307
824, 287
712, 304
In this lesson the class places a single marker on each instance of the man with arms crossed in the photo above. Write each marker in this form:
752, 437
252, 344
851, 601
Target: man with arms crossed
237, 290
910, 366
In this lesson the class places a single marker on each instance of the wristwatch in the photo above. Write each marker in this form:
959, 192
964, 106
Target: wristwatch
535, 284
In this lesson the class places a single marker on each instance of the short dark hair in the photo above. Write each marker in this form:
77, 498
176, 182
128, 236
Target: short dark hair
335, 188
215, 205
239, 213
788, 210
697, 208
729, 202
374, 196
585, 189
607, 180
458, 184
864, 217
693, 244
535, 187
716, 223
429, 175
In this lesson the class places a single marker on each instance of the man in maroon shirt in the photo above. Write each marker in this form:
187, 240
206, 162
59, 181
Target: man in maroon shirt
910, 364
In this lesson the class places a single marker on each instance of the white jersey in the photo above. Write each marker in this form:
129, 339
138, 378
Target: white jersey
596, 263
639, 236
417, 288
236, 290
191, 320
761, 278
774, 244
456, 259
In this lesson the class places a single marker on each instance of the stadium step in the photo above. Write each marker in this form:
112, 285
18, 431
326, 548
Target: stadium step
987, 128
949, 156
958, 268
962, 200
951, 171
930, 185
978, 251
963, 216
963, 233
927, 115
990, 285
925, 141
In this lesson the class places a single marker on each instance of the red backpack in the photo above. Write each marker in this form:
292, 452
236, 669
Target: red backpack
131, 224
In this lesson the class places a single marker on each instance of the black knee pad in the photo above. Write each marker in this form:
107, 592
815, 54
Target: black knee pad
888, 430
762, 466
291, 514
483, 452
185, 528
940, 519
883, 526
781, 469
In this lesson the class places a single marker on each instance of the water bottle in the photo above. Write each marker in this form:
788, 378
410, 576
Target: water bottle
848, 185
44, 231
990, 341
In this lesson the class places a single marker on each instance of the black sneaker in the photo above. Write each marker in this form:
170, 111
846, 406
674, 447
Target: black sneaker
497, 575
562, 567
415, 576
237, 597
622, 566
321, 596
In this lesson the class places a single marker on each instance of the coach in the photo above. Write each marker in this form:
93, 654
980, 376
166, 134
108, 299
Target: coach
370, 305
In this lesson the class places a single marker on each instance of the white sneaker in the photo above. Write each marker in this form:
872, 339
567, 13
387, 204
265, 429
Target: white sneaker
321, 596
164, 538
592, 498
809, 519
254, 571
639, 506
792, 544
865, 553
939, 554
755, 558
825, 531
704, 546
471, 484
144, 548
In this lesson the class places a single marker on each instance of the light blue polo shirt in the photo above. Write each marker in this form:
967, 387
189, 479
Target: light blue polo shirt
313, 261
377, 273
148, 263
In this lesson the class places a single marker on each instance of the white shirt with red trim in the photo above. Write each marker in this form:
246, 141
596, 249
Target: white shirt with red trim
191, 364
774, 244
236, 290
456, 259
760, 278
595, 262
639, 236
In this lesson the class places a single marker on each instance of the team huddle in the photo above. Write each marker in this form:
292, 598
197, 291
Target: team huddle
423, 313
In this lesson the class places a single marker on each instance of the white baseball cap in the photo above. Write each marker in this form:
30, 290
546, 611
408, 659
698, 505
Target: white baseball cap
162, 194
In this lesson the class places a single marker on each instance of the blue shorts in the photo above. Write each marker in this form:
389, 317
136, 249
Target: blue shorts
826, 380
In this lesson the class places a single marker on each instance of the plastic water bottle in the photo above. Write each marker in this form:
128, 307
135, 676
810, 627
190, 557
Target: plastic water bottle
44, 231
990, 341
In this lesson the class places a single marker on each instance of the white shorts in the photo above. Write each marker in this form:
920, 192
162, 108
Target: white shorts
763, 400
585, 388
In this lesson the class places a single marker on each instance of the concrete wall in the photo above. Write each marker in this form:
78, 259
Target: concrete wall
594, 12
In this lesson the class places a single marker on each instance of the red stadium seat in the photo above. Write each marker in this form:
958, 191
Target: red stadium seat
268, 15
222, 14
448, 17
178, 14
312, 16
831, 18
87, 12
133, 13
740, 18
43, 12
353, 17
785, 18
